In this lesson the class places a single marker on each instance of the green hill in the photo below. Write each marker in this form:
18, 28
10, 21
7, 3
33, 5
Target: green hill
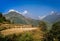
17, 18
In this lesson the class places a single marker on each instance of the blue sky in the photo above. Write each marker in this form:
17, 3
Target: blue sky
34, 8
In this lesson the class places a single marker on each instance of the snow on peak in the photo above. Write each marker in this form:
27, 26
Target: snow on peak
12, 10
42, 17
25, 12
53, 13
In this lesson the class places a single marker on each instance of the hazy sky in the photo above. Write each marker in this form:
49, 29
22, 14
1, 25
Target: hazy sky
33, 8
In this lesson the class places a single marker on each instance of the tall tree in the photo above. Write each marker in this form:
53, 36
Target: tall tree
55, 31
1, 15
3, 19
43, 25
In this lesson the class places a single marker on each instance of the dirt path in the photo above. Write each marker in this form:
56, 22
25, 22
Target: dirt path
16, 30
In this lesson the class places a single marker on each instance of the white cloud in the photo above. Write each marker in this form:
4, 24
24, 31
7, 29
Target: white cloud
25, 12
41, 17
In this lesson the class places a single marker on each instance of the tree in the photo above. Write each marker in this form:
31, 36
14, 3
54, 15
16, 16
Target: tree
55, 31
1, 14
43, 25
3, 19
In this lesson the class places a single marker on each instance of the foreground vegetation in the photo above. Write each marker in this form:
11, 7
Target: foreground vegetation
35, 35
54, 33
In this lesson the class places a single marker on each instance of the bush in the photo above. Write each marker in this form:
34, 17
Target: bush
21, 37
26, 36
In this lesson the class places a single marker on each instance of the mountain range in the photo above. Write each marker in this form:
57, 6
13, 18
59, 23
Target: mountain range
17, 18
52, 18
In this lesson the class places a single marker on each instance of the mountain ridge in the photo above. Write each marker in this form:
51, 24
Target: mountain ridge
18, 18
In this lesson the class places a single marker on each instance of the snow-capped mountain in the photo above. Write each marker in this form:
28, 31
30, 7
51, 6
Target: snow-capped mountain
15, 17
12, 10
53, 17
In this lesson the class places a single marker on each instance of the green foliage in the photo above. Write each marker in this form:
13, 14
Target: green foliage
3, 19
56, 30
21, 37
14, 37
1, 14
26, 36
48, 37
43, 25
1, 37
54, 33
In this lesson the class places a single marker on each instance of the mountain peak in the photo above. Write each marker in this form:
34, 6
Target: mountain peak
12, 10
53, 13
